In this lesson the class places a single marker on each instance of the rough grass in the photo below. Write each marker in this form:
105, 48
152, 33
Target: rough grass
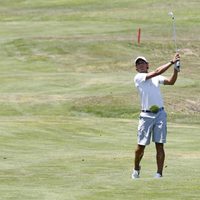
68, 106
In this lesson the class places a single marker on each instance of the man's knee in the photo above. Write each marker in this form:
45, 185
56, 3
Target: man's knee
140, 149
160, 148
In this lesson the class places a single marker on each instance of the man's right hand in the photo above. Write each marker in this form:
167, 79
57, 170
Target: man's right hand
176, 61
176, 58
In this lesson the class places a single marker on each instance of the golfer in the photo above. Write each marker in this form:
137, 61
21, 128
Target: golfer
152, 119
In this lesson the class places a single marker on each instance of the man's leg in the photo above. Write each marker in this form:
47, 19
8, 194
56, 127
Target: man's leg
139, 152
160, 157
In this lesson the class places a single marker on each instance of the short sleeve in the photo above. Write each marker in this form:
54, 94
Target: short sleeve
139, 78
161, 79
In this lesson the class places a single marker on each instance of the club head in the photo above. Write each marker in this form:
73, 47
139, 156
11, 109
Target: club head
171, 14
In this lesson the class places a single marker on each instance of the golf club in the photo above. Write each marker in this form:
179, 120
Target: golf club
177, 64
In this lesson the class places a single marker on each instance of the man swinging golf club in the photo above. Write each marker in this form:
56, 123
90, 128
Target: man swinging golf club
152, 120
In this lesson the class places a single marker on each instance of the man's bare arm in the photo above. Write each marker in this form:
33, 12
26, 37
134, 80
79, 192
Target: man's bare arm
159, 70
172, 79
163, 68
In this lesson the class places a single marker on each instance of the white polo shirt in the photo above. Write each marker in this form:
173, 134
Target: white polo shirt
149, 90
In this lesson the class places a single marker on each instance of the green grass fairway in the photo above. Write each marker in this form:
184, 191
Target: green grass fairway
68, 106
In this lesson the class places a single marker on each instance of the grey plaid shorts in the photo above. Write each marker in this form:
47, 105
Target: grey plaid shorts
152, 125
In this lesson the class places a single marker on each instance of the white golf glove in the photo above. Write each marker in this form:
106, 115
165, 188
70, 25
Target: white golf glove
177, 66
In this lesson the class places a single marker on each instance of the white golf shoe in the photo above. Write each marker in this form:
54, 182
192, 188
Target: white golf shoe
157, 175
135, 174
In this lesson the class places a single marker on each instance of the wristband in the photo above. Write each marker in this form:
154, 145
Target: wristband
172, 62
